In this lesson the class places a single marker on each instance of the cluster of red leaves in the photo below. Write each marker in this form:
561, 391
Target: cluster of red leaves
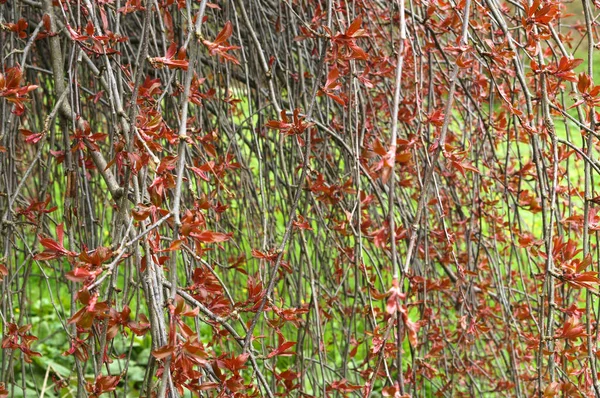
296, 126
332, 85
220, 46
174, 59
36, 208
12, 91
184, 349
54, 248
19, 338
89, 265
92, 43
347, 41
101, 385
92, 310
20, 28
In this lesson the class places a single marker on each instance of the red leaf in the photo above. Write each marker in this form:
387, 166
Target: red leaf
163, 352
3, 271
224, 34
354, 26
210, 236
281, 350
332, 77
571, 329
89, 28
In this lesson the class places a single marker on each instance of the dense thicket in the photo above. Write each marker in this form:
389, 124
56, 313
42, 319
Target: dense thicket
299, 198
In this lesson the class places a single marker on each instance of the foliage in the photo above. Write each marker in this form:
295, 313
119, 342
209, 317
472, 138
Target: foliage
303, 198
